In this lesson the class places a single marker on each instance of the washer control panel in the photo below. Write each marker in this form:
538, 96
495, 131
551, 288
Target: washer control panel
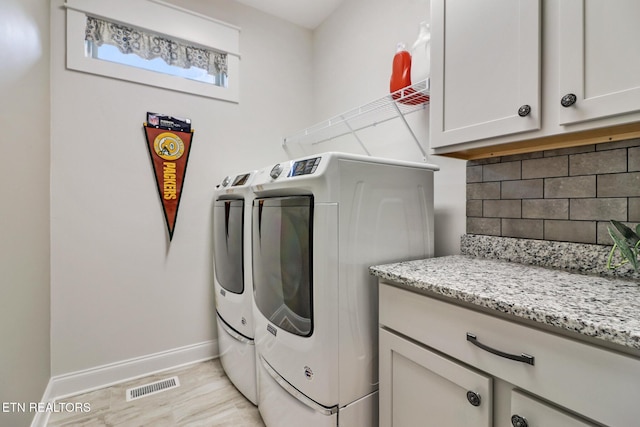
305, 167
241, 179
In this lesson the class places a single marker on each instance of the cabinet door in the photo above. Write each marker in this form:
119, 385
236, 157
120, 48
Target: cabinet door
486, 65
538, 414
421, 388
599, 58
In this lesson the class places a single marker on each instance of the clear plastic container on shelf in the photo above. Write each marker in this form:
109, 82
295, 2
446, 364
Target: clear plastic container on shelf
421, 54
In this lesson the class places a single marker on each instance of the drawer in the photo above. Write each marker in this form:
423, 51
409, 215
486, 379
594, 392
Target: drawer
596, 382
531, 412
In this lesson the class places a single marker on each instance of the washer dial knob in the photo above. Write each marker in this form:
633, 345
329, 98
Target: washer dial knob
276, 171
226, 181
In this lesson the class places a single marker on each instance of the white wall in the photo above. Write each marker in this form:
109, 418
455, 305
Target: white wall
353, 53
119, 290
24, 245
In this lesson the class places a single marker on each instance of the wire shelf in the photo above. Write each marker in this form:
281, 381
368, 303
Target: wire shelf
397, 104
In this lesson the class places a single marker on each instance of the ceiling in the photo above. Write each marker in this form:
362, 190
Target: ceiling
306, 13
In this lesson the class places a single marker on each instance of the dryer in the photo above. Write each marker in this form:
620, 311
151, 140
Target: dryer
318, 224
232, 281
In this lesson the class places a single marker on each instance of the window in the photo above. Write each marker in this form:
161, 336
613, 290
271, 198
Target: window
111, 53
137, 48
154, 43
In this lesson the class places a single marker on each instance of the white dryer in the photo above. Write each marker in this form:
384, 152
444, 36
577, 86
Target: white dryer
232, 281
318, 224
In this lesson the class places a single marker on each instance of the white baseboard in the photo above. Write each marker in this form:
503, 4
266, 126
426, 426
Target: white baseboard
87, 380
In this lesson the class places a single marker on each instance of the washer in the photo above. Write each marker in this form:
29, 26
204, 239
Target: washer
318, 224
232, 281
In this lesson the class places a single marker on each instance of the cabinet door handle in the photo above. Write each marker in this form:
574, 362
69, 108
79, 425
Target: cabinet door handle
524, 358
568, 100
524, 110
473, 398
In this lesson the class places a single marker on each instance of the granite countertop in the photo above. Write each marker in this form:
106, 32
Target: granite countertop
605, 308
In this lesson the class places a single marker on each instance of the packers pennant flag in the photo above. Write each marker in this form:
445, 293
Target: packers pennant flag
169, 152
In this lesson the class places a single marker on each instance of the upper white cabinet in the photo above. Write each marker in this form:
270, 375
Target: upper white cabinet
486, 73
574, 63
599, 59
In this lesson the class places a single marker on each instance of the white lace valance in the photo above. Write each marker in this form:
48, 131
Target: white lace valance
149, 46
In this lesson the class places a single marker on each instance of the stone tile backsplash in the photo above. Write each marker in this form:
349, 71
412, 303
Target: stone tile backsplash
566, 195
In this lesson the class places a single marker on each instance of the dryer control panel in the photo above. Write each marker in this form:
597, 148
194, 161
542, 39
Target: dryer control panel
305, 167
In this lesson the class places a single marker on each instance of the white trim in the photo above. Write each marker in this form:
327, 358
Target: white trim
162, 18
153, 15
82, 7
42, 418
191, 12
74, 383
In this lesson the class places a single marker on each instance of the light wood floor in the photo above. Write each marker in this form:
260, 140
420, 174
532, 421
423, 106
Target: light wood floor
205, 398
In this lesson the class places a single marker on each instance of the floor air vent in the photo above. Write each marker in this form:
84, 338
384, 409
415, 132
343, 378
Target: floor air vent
152, 388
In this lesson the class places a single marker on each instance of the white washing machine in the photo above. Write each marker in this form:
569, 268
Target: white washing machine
232, 281
318, 224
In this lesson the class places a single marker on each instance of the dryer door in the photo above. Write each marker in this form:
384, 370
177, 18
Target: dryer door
282, 268
228, 249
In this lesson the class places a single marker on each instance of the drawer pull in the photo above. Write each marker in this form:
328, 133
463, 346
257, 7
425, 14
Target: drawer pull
524, 358
518, 421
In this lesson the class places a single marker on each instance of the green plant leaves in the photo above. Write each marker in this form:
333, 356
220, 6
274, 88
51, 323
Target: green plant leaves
626, 232
626, 241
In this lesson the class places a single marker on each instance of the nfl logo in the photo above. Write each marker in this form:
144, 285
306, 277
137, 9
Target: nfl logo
154, 120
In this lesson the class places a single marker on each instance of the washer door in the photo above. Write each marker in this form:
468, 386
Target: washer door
282, 266
228, 248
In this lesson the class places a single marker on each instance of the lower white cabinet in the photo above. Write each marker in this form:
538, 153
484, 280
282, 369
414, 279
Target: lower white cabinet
445, 365
420, 387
